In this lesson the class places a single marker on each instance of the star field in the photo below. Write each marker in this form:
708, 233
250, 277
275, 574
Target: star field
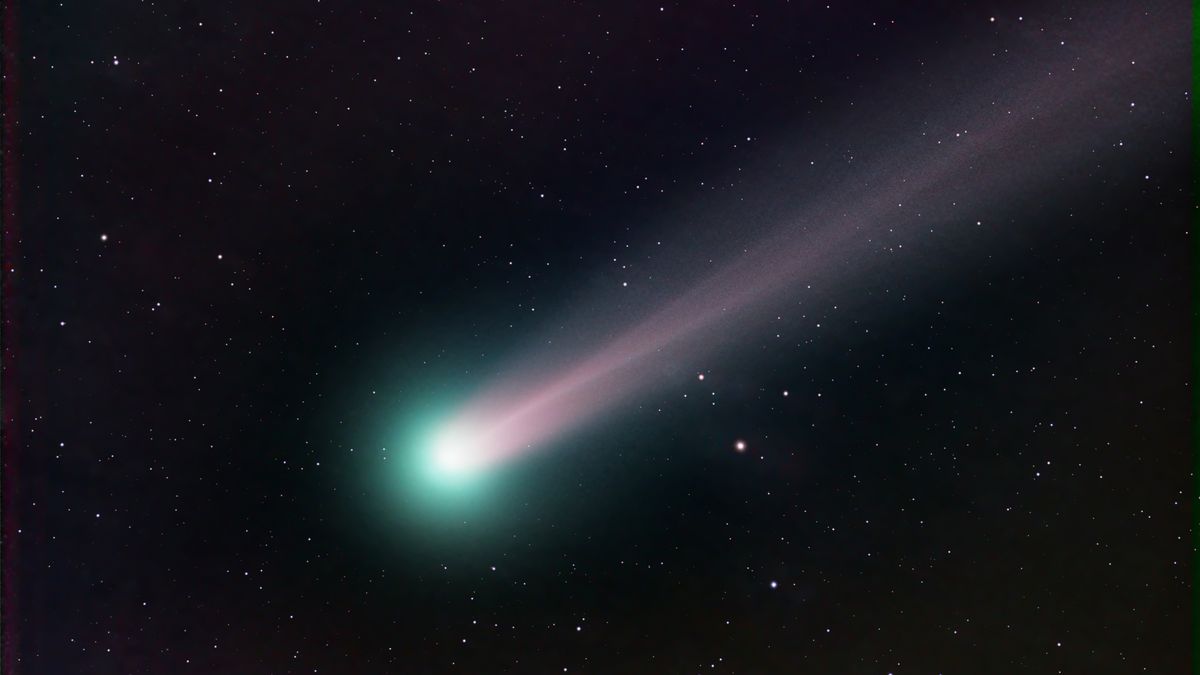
614, 338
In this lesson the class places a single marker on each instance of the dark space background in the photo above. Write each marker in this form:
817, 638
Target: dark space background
233, 229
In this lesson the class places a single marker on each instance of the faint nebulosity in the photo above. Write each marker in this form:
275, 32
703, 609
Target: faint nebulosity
597, 337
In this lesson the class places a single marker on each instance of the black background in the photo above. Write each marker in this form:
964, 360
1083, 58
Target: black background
307, 202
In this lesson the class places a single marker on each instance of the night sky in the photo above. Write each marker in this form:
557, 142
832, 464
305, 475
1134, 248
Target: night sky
540, 337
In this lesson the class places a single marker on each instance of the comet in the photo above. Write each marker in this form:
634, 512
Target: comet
1022, 131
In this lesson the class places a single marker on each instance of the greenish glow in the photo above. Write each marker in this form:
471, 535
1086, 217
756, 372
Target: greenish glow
454, 456
427, 473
